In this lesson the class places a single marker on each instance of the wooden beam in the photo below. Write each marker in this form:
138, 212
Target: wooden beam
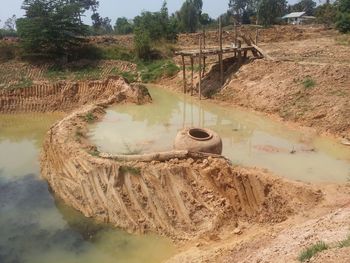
257, 30
268, 57
221, 54
235, 28
200, 69
204, 57
239, 51
192, 65
184, 72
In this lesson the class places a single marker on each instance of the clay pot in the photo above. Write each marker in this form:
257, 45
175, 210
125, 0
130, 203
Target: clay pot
198, 140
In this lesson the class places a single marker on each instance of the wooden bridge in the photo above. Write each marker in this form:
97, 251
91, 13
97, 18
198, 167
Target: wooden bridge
237, 50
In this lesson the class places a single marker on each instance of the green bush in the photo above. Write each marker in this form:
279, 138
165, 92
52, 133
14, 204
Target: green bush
130, 76
343, 22
8, 51
312, 251
142, 43
158, 69
345, 242
309, 83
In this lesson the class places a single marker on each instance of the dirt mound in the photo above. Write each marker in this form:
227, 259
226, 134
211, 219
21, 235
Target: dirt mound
125, 40
313, 95
182, 198
61, 96
16, 74
266, 35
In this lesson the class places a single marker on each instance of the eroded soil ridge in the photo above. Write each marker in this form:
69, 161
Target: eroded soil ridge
64, 95
182, 195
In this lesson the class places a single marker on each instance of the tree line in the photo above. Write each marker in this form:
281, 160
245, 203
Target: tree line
56, 26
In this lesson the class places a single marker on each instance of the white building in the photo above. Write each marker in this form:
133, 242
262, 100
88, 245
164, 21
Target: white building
298, 18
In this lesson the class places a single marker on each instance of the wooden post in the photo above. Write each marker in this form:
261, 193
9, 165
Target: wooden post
200, 68
204, 57
221, 54
192, 75
257, 30
239, 50
184, 72
235, 28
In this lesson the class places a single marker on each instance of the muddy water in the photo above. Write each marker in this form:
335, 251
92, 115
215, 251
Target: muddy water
249, 139
36, 228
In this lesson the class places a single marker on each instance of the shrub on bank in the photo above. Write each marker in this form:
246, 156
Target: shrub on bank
153, 71
343, 22
312, 251
8, 51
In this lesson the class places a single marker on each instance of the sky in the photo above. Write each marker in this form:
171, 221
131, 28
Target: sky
128, 8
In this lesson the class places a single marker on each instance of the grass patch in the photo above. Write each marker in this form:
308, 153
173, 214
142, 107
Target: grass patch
312, 251
22, 83
117, 52
89, 117
153, 71
309, 83
94, 152
345, 242
195, 68
130, 76
343, 40
130, 170
87, 72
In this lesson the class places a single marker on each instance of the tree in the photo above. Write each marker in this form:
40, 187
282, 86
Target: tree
344, 6
326, 14
343, 22
242, 9
10, 24
270, 10
142, 43
157, 24
189, 15
9, 28
307, 6
53, 27
101, 25
343, 17
205, 19
123, 26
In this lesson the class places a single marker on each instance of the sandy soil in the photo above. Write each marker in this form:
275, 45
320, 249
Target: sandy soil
278, 88
14, 72
282, 242
234, 214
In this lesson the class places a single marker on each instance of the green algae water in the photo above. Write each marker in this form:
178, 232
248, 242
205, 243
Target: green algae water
248, 139
37, 228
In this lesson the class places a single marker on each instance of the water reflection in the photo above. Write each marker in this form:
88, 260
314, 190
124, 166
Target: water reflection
249, 139
36, 228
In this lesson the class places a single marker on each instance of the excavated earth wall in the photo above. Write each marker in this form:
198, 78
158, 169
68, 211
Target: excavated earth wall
62, 96
180, 194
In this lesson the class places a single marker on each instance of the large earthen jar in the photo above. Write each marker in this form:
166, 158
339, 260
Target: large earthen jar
198, 140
